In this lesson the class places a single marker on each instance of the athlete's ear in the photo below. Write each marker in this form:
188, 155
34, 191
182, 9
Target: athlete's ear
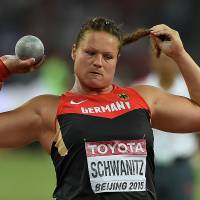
73, 52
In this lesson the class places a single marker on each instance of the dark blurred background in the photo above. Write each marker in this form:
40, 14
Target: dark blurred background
56, 23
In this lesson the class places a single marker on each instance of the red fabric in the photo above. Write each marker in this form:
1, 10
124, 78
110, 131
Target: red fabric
113, 105
4, 72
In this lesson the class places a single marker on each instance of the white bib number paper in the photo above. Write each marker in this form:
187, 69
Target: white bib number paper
117, 166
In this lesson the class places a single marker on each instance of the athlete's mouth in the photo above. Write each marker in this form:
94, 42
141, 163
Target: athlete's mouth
96, 73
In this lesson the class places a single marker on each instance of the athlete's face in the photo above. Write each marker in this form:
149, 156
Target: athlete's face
95, 59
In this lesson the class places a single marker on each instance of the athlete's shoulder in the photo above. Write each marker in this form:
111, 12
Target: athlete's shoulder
143, 89
148, 93
41, 103
46, 98
134, 89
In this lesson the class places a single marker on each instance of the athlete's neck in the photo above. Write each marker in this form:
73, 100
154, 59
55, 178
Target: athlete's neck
79, 88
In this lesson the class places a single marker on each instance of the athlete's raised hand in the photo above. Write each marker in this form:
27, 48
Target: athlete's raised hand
167, 40
15, 65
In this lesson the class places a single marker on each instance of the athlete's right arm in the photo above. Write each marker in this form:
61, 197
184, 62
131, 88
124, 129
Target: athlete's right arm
34, 120
31, 122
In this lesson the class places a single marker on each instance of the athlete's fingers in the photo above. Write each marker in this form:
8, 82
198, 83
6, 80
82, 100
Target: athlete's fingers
38, 64
163, 35
28, 62
160, 27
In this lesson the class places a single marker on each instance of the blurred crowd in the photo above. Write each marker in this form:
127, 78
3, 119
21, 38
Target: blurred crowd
57, 23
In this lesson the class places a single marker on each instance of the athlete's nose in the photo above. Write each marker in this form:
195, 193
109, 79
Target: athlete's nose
98, 60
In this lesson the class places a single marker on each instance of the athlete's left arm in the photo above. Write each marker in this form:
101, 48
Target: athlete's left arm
170, 112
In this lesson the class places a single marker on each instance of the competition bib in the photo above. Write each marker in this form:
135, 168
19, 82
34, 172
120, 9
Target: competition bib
117, 166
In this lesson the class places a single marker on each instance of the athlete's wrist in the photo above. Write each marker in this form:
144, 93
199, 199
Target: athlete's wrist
4, 72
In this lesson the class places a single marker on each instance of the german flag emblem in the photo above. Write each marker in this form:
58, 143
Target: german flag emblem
123, 96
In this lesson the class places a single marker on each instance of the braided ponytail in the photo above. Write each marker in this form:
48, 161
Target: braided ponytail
140, 33
109, 26
134, 36
155, 48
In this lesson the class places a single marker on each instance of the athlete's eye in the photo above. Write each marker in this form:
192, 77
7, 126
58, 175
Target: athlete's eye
90, 53
108, 56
